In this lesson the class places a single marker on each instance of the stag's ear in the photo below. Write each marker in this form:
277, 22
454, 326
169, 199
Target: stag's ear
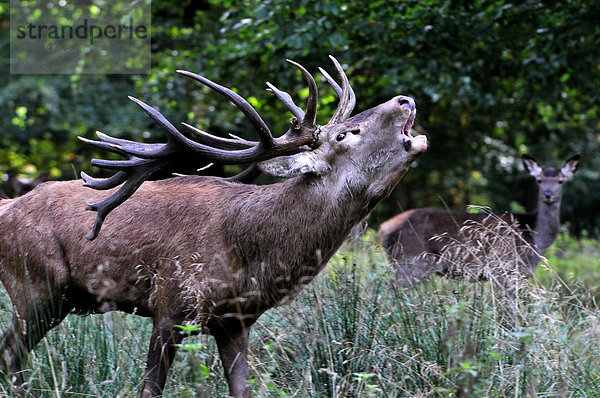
531, 165
571, 166
295, 165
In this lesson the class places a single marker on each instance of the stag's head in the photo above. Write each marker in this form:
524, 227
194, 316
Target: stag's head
365, 154
371, 150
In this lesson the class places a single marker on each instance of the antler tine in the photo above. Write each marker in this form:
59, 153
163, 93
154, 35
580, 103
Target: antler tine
338, 90
310, 116
248, 154
133, 181
123, 165
142, 160
218, 142
175, 139
104, 183
345, 106
168, 128
104, 145
332, 83
286, 99
261, 127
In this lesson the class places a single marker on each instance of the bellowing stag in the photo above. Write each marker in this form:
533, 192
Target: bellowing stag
200, 250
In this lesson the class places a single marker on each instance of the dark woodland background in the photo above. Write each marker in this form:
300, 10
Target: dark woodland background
492, 80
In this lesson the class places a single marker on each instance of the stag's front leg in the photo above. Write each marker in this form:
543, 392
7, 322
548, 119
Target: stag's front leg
22, 335
163, 347
233, 350
14, 352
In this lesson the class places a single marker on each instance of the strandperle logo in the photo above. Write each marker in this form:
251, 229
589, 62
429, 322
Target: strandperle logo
80, 36
84, 30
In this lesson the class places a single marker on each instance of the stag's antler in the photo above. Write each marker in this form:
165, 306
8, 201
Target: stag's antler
143, 159
346, 94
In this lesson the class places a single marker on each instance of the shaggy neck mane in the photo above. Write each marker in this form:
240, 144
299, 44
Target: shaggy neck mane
282, 241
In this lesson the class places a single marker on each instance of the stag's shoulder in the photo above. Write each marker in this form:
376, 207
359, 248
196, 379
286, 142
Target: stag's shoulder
18, 208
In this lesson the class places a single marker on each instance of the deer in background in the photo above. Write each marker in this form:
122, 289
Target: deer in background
200, 250
21, 186
412, 241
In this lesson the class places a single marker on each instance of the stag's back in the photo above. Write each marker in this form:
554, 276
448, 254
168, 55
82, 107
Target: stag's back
209, 232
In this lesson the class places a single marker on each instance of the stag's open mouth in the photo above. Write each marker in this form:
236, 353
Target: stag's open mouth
409, 123
416, 144
407, 103
406, 135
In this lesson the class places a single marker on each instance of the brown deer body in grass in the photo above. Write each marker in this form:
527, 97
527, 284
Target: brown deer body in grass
200, 250
410, 237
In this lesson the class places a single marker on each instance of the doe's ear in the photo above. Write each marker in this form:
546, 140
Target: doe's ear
295, 165
571, 166
531, 165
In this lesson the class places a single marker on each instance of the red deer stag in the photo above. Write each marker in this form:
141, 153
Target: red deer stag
409, 237
201, 250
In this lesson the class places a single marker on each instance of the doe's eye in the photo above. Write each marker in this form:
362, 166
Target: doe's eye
340, 137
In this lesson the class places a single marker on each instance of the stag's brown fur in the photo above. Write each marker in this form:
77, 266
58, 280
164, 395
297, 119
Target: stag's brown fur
197, 249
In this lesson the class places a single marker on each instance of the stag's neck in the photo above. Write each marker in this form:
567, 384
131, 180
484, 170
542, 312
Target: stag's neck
547, 226
325, 211
299, 224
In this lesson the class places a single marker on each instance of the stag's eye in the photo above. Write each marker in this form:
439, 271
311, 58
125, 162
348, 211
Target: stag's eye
340, 136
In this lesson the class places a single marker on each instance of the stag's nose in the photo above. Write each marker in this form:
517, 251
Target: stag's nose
548, 194
407, 102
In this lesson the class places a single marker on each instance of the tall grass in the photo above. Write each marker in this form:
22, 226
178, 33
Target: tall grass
354, 333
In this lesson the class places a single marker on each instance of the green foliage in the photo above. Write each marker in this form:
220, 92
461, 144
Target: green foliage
573, 262
492, 79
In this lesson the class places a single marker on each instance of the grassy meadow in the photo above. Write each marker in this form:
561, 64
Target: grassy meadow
354, 333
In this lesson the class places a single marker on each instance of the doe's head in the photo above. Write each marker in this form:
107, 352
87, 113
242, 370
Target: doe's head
550, 179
